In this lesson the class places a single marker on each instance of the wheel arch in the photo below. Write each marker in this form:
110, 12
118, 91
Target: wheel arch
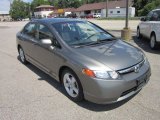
62, 68
153, 33
18, 46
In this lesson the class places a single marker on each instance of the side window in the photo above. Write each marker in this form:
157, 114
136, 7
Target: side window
44, 32
158, 15
154, 17
30, 30
149, 16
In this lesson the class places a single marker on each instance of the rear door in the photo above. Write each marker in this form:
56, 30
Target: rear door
29, 37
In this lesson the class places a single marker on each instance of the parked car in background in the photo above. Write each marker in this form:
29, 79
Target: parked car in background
89, 16
90, 63
150, 28
26, 19
97, 15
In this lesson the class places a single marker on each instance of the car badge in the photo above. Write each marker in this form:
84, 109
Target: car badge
136, 69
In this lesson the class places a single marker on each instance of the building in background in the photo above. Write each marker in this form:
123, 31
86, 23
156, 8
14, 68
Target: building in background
4, 16
43, 11
121, 12
115, 9
63, 12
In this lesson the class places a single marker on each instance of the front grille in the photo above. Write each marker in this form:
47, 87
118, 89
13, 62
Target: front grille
131, 69
128, 91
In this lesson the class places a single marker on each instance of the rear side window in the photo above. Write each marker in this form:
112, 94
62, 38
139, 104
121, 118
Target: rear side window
30, 30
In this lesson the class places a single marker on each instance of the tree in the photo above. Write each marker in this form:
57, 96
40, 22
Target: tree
144, 6
19, 10
36, 3
67, 3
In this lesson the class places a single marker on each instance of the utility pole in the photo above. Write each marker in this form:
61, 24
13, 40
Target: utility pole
127, 13
126, 32
106, 8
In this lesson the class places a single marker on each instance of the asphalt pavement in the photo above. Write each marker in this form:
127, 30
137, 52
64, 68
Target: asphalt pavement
27, 93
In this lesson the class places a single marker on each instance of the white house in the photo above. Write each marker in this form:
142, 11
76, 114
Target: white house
116, 8
121, 12
4, 16
43, 11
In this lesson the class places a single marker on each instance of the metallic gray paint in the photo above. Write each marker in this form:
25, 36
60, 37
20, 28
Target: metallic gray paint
115, 55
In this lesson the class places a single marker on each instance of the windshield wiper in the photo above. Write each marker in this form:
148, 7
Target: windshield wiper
94, 34
93, 42
100, 41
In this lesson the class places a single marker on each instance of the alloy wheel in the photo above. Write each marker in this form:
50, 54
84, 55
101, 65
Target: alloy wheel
21, 54
71, 85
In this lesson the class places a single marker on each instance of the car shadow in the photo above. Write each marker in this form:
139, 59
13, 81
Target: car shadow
85, 104
144, 45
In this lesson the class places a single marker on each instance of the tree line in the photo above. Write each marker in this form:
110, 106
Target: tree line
20, 9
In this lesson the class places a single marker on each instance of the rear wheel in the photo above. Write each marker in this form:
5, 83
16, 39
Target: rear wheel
72, 85
153, 42
22, 56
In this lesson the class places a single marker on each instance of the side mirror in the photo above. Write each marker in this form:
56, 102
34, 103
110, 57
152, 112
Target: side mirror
46, 41
143, 19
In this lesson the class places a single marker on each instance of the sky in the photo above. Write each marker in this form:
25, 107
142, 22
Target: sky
5, 4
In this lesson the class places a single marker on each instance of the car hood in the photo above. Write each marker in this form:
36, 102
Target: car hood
114, 54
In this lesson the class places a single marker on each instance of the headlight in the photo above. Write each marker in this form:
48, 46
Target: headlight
101, 74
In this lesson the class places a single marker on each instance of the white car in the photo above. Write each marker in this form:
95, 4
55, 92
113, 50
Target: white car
150, 28
97, 15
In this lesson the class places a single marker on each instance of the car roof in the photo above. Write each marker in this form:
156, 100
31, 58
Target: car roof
156, 9
56, 20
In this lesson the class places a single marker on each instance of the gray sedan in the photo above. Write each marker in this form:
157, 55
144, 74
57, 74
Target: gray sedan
90, 63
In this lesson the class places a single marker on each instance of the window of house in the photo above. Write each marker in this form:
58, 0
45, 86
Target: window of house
98, 11
111, 12
118, 11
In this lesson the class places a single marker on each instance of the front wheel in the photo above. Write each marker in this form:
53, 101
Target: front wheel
139, 36
22, 56
72, 85
153, 43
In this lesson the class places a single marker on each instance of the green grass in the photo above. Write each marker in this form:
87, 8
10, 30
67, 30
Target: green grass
118, 18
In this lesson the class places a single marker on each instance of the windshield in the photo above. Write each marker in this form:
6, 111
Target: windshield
81, 33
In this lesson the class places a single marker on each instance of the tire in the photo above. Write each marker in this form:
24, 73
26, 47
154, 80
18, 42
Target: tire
139, 35
153, 42
72, 85
22, 56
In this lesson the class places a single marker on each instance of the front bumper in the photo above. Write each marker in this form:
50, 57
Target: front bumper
110, 91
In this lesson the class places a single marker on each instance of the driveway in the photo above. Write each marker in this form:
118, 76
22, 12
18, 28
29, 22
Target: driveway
27, 93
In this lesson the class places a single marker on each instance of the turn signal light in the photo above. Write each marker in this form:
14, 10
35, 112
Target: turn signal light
88, 72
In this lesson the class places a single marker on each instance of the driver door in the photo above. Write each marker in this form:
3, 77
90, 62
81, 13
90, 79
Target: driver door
47, 55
